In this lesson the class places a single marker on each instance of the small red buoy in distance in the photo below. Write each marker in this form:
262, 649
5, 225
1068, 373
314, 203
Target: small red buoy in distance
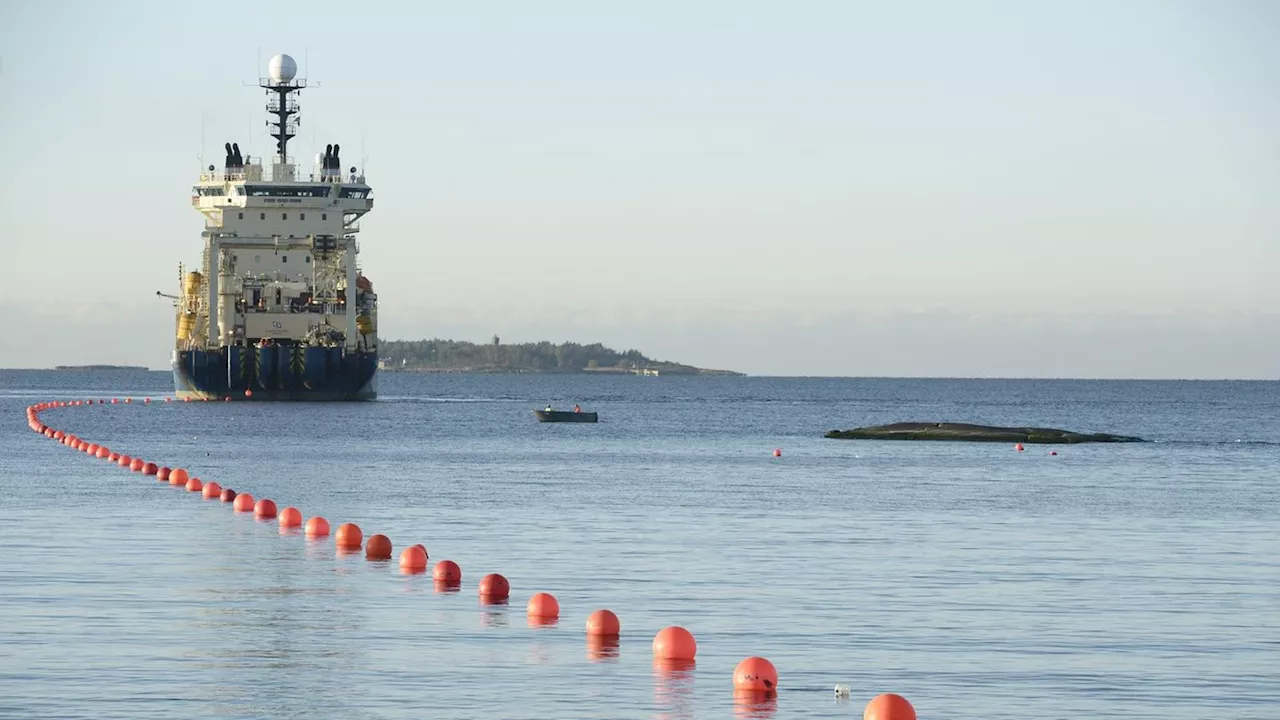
243, 503
378, 547
194, 485
1053, 452
264, 509
290, 517
413, 559
674, 643
543, 605
447, 572
349, 536
777, 452
150, 469
228, 495
248, 393
603, 623
211, 490
755, 675
1018, 447
317, 527
888, 706
494, 587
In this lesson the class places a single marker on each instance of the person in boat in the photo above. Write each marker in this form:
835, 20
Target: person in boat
548, 407
577, 408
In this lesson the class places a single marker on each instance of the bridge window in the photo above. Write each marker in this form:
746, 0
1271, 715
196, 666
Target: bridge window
302, 216
306, 259
241, 216
324, 216
270, 191
262, 216
284, 258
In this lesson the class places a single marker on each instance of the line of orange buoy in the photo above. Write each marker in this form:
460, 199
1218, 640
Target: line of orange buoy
754, 677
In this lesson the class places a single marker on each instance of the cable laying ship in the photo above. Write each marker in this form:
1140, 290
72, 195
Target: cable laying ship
279, 309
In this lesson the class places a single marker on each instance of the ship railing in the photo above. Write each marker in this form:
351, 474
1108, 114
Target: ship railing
250, 172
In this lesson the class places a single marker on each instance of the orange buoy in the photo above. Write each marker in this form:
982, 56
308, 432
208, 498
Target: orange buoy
103, 453
674, 643
248, 393
888, 706
543, 605
136, 464
58, 435
125, 461
1017, 446
113, 457
494, 587
447, 572
146, 401
178, 476
163, 474
378, 547
168, 399
777, 452
211, 490
413, 559
194, 485
128, 400
603, 622
150, 469
228, 495
91, 448
1053, 452
349, 536
243, 503
756, 675
290, 517
317, 527
264, 509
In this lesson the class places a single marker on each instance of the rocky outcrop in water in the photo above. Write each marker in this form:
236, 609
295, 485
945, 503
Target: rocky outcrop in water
975, 433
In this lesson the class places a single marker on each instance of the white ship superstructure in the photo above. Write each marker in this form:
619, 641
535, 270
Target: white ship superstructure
279, 272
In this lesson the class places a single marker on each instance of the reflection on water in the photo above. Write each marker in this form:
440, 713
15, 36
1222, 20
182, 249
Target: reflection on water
536, 621
755, 705
444, 587
673, 688
602, 648
489, 618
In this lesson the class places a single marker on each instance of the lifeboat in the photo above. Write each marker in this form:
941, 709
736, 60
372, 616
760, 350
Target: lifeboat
186, 324
192, 286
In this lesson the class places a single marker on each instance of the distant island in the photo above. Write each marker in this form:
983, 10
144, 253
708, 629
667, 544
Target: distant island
438, 355
100, 367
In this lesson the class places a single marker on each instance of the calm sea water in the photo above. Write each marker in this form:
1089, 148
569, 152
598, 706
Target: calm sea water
1126, 581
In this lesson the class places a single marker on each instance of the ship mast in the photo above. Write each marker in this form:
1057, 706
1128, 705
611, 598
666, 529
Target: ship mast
280, 86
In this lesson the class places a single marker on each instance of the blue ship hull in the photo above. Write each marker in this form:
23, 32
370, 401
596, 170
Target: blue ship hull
276, 373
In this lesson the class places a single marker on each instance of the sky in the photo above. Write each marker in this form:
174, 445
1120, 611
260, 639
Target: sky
980, 189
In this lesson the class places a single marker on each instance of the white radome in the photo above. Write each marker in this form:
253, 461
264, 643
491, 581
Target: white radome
282, 68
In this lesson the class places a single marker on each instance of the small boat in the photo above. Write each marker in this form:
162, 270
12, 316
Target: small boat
564, 416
